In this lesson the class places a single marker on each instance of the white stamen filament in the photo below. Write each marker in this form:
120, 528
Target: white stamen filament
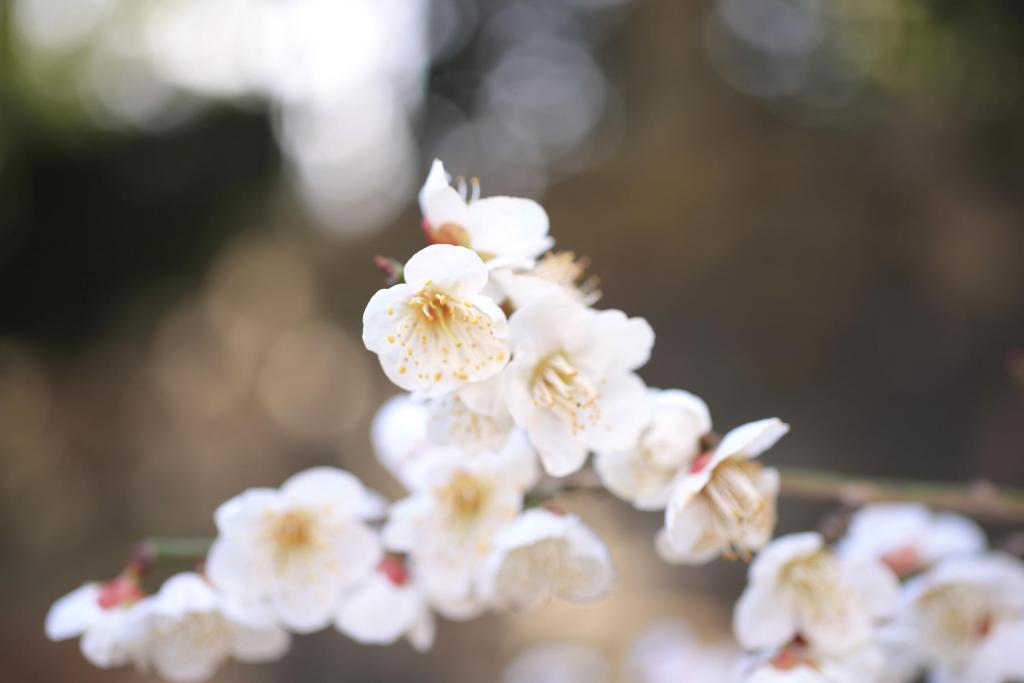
558, 385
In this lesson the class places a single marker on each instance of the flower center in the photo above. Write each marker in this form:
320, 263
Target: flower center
564, 269
817, 581
737, 504
558, 385
437, 308
292, 531
464, 496
958, 616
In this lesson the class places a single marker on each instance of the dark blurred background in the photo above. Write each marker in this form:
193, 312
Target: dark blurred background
816, 203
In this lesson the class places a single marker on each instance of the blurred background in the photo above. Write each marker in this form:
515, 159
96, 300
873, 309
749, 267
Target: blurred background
816, 203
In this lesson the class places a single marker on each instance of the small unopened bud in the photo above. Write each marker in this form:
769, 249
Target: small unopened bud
393, 269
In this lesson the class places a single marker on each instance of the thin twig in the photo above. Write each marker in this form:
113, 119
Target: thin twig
980, 499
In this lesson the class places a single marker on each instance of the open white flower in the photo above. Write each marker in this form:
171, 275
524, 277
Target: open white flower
543, 555
502, 230
645, 473
286, 555
796, 662
385, 606
436, 332
458, 505
798, 587
473, 419
726, 501
908, 537
109, 618
190, 635
968, 613
664, 650
571, 383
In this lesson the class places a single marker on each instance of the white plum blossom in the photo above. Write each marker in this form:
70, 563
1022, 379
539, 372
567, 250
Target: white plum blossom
190, 635
908, 537
284, 556
725, 502
470, 419
665, 649
799, 588
968, 613
436, 332
504, 231
644, 474
457, 506
571, 384
108, 618
385, 606
796, 662
544, 555
558, 662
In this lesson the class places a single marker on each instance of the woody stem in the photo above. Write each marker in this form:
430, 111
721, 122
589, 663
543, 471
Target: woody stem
981, 499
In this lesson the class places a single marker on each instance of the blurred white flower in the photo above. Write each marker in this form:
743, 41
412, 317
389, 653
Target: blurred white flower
726, 501
386, 606
108, 617
458, 420
286, 555
571, 383
796, 662
968, 613
908, 537
190, 636
543, 555
436, 332
502, 230
664, 650
798, 587
559, 662
644, 473
458, 505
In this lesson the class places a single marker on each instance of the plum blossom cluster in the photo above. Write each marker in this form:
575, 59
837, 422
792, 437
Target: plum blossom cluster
514, 381
906, 592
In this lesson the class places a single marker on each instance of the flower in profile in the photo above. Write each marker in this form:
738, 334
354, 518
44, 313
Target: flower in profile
190, 635
725, 502
571, 384
108, 618
543, 555
799, 588
797, 662
385, 606
968, 614
644, 473
502, 230
908, 537
284, 556
666, 648
457, 506
436, 332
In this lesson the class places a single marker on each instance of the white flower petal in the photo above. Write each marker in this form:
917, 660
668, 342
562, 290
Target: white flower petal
457, 271
379, 612
72, 614
508, 226
437, 179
